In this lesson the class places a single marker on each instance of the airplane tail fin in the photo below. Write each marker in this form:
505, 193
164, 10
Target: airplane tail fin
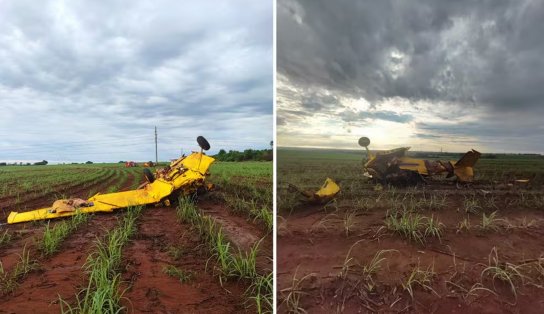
469, 159
463, 168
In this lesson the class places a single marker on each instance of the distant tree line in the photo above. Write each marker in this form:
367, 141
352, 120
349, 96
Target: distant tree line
246, 155
39, 163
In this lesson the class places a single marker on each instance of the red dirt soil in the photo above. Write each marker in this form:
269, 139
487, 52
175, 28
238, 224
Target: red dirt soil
28, 234
145, 256
59, 275
241, 232
312, 243
153, 291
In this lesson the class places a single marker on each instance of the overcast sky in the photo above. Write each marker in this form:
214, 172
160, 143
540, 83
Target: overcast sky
433, 75
89, 80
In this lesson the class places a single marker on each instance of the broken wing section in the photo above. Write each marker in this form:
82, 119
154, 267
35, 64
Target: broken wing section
327, 192
151, 193
186, 175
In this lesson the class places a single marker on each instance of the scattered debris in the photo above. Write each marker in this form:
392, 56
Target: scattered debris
326, 193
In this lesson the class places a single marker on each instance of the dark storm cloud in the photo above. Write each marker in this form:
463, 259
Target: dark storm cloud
485, 55
487, 51
316, 102
76, 70
350, 116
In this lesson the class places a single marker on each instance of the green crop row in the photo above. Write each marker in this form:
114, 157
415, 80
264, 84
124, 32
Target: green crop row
103, 293
240, 265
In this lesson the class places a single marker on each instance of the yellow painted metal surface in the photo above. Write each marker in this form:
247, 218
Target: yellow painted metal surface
328, 190
412, 164
464, 174
381, 163
184, 175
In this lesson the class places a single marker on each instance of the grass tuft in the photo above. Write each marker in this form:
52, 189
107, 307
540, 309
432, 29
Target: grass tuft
53, 237
503, 271
490, 222
293, 294
419, 277
183, 276
414, 227
175, 253
5, 238
241, 265
9, 281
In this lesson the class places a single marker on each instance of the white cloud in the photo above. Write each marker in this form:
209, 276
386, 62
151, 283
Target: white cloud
107, 73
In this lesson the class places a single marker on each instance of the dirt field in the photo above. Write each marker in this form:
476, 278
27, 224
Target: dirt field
34, 282
435, 248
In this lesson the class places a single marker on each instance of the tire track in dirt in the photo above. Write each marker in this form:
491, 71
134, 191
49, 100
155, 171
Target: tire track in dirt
60, 275
152, 291
241, 232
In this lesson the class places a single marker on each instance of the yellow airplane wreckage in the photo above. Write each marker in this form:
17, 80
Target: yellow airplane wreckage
184, 176
394, 167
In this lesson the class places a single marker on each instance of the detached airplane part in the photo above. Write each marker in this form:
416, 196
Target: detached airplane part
184, 176
393, 166
327, 192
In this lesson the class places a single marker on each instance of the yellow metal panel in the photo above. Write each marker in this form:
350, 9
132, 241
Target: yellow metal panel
152, 193
407, 163
197, 162
329, 189
464, 174
46, 213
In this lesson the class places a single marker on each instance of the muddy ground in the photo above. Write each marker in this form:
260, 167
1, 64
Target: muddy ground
316, 274
58, 276
148, 288
241, 231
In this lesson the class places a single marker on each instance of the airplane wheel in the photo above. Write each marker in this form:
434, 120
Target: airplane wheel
203, 143
148, 175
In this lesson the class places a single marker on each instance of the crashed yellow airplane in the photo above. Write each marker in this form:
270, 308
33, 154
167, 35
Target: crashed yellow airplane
184, 176
394, 167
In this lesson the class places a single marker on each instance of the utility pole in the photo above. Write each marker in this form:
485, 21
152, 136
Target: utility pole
156, 154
